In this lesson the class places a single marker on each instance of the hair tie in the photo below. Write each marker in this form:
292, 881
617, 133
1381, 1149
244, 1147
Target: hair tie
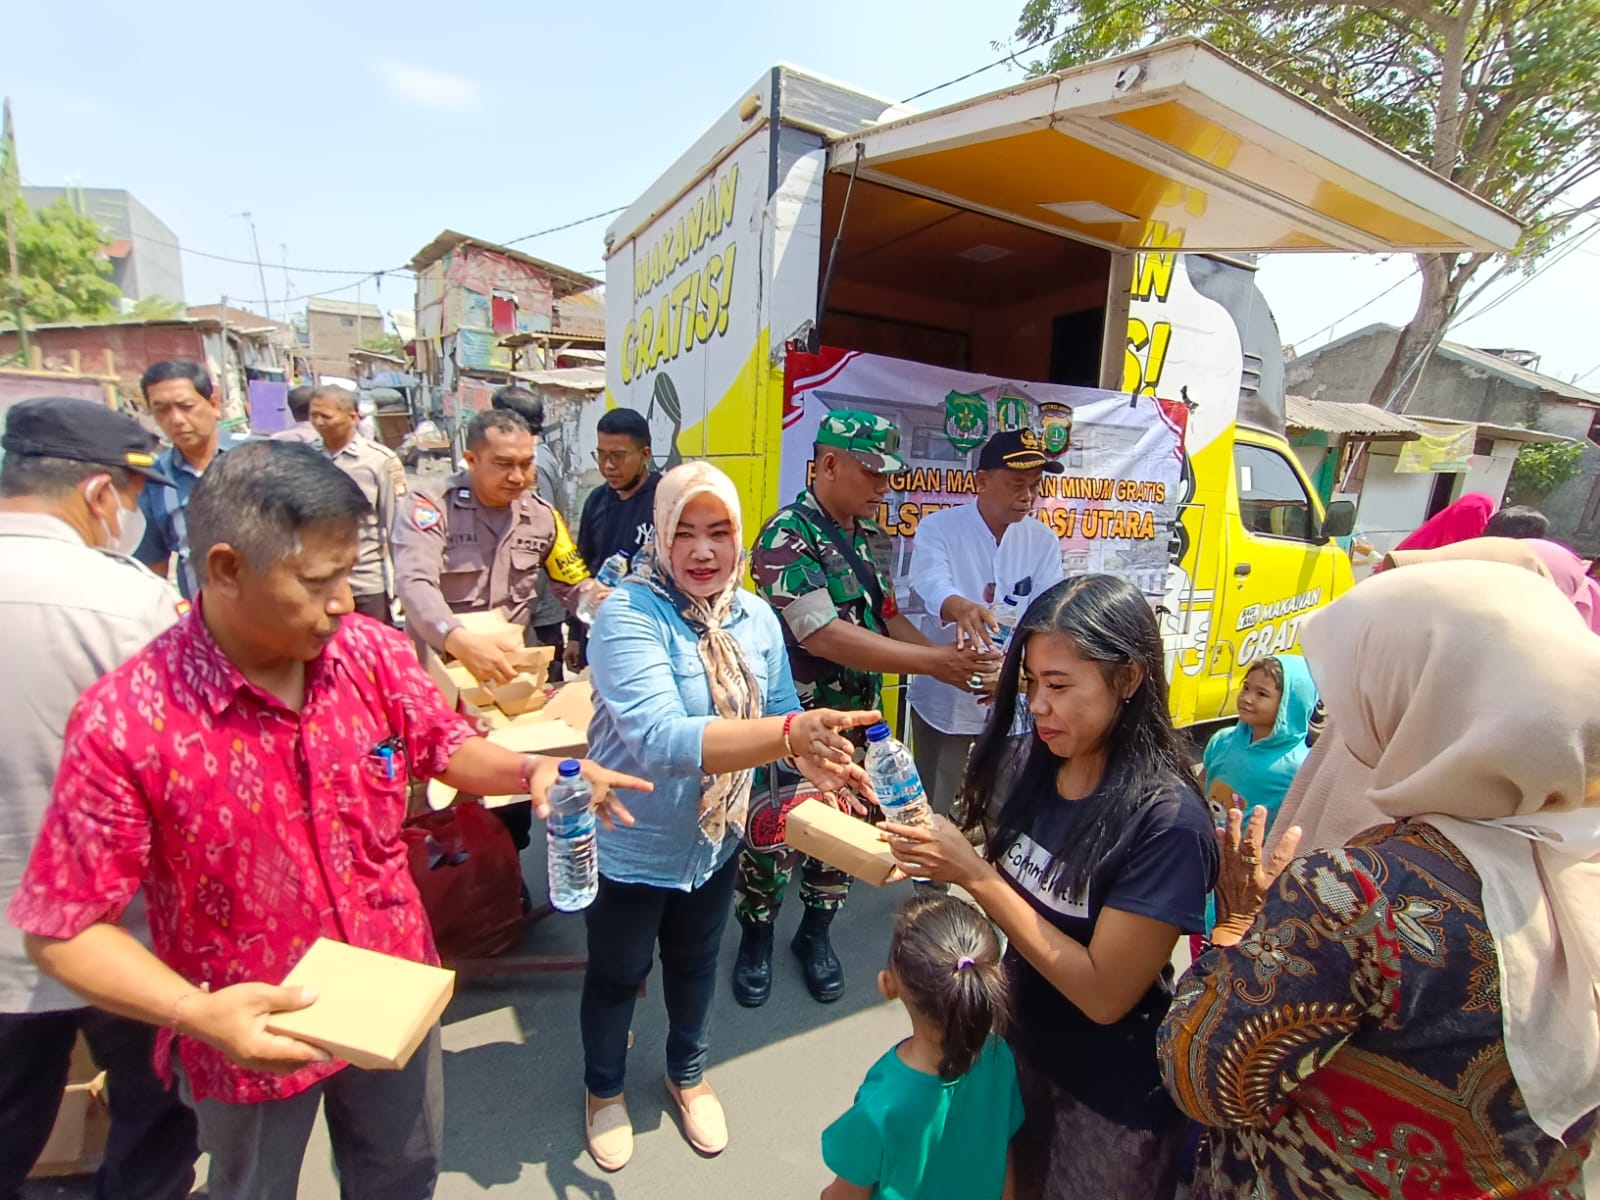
963, 962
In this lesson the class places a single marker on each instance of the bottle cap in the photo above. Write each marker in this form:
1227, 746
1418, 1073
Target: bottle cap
570, 768
878, 732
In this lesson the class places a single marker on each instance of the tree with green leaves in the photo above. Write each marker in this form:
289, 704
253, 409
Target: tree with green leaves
1499, 96
157, 308
386, 343
64, 274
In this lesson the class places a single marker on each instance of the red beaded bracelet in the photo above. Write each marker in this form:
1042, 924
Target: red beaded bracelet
787, 722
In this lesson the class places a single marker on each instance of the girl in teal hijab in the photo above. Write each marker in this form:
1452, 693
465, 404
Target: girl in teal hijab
1257, 758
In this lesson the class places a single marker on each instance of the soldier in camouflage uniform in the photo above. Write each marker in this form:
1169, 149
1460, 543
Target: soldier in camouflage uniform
825, 566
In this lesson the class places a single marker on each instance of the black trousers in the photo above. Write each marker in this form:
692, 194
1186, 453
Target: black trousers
554, 634
151, 1151
376, 607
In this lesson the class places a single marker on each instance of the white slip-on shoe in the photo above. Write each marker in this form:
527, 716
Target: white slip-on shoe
609, 1132
705, 1125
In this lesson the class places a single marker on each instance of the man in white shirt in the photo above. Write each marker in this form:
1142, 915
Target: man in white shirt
965, 560
73, 606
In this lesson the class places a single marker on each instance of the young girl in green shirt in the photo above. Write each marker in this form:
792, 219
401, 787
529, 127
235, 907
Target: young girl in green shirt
934, 1118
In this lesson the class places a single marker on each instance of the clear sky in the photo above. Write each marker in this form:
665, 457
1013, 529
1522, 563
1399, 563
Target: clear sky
356, 131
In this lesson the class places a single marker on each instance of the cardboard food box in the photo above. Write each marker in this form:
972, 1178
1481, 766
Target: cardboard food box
77, 1144
559, 729
372, 1010
839, 840
524, 694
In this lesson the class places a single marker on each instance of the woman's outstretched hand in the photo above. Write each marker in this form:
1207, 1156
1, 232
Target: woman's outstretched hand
1245, 875
825, 756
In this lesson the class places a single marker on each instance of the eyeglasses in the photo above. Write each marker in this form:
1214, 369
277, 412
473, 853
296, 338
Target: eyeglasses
615, 458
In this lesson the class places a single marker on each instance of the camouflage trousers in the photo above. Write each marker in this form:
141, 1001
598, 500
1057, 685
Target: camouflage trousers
764, 876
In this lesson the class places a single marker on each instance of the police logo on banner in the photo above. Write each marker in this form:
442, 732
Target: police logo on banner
1056, 420
966, 420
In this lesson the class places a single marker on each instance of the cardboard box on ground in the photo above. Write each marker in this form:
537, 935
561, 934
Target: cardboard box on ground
555, 722
78, 1141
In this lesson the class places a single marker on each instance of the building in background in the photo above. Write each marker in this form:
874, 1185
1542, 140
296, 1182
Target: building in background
249, 365
145, 260
333, 328
1500, 394
485, 311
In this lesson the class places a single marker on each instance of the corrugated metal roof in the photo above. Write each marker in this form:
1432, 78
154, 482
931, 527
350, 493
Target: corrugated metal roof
1474, 358
564, 280
1367, 420
576, 379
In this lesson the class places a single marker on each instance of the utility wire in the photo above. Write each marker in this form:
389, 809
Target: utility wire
610, 212
1364, 304
402, 271
1012, 57
1545, 264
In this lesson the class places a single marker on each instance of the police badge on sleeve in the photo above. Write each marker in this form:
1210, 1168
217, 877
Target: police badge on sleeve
425, 514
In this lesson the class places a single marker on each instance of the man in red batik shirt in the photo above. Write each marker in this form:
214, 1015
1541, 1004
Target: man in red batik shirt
250, 770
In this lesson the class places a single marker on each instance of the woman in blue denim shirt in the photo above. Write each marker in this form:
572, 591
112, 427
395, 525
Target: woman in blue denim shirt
693, 692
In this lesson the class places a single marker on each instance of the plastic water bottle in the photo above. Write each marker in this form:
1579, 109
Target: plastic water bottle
894, 777
1006, 615
612, 572
1009, 612
569, 840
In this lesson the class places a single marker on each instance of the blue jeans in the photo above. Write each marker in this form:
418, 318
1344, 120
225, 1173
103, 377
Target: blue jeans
625, 923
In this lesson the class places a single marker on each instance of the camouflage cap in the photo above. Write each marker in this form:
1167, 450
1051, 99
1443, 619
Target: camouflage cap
870, 439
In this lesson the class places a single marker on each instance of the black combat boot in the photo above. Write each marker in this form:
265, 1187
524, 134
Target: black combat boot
824, 974
752, 969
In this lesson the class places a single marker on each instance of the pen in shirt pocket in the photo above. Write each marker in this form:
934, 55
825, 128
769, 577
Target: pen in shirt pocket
384, 754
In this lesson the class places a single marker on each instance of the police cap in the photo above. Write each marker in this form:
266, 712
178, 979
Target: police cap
83, 431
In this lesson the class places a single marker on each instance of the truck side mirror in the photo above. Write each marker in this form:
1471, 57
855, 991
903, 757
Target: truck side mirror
1340, 519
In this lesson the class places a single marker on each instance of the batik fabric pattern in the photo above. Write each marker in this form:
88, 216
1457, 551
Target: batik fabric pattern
253, 829
1352, 1044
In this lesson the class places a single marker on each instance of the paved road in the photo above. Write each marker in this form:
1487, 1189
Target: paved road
513, 1079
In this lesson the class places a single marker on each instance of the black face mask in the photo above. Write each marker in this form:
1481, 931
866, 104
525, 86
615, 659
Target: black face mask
644, 473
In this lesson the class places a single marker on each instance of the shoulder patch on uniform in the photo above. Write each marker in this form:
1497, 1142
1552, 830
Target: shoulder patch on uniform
425, 514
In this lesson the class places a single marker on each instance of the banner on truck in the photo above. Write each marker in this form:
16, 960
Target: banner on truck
1112, 510
684, 305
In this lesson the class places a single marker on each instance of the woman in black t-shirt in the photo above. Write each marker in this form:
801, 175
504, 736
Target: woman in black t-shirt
1099, 856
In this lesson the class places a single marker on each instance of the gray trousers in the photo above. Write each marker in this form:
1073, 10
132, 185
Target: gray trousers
387, 1130
941, 761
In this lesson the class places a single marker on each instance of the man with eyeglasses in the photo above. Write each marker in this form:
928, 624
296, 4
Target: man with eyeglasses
185, 405
620, 517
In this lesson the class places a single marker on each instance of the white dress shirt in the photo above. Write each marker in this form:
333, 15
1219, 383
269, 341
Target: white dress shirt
955, 554
68, 614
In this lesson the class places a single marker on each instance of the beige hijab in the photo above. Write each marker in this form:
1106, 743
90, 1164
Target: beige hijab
1328, 799
1463, 694
735, 691
1511, 551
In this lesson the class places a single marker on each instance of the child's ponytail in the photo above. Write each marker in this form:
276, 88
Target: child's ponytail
947, 959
